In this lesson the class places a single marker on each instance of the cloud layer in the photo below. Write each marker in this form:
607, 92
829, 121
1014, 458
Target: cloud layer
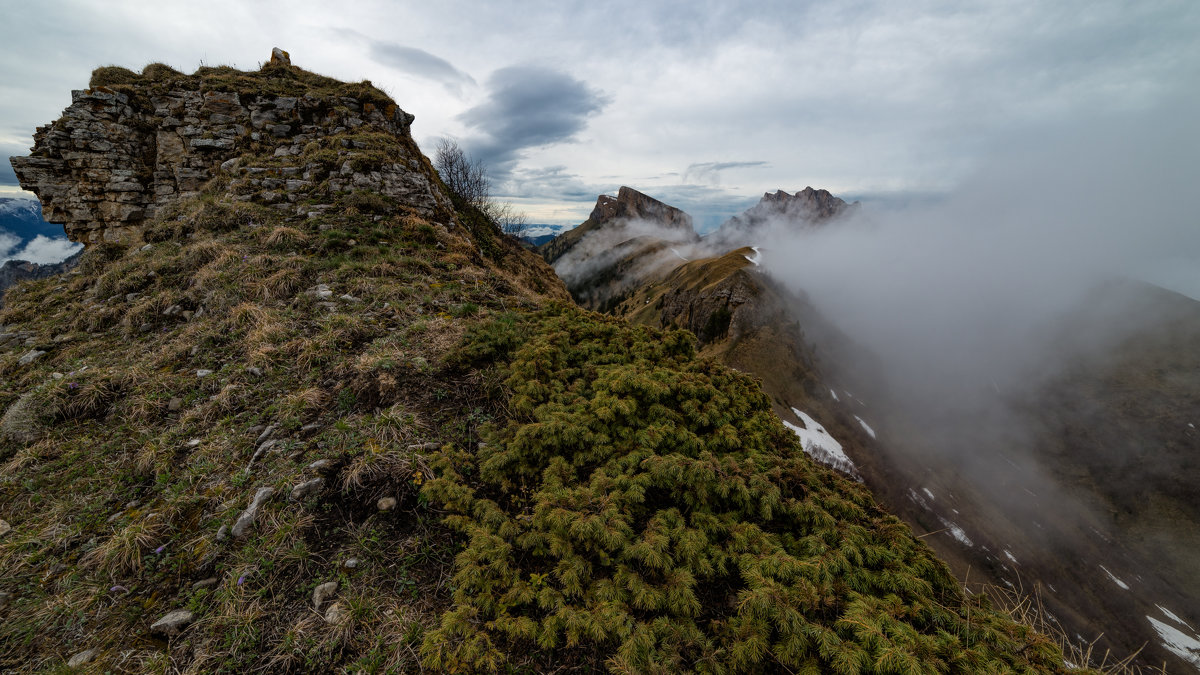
527, 107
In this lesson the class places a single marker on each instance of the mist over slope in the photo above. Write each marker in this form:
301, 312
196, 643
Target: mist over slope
963, 294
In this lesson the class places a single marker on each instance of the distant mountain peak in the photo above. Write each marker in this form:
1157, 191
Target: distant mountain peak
806, 207
630, 204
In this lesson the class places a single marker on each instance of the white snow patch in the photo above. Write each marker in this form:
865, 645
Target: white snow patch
820, 445
865, 426
956, 532
1010, 557
1179, 643
1124, 586
918, 499
834, 394
757, 256
1172, 616
928, 492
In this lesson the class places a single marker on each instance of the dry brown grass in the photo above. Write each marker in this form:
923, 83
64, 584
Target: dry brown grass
283, 236
1026, 608
121, 553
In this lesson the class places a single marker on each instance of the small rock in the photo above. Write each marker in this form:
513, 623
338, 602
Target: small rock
30, 356
351, 563
348, 298
265, 434
130, 297
280, 57
203, 372
57, 376
336, 615
255, 371
188, 314
193, 443
323, 592
323, 291
386, 504
5, 528
321, 465
307, 488
173, 623
248, 516
205, 583
309, 429
195, 350
82, 657
223, 533
147, 247
175, 404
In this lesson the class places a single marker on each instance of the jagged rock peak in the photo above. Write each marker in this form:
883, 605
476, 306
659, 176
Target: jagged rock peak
629, 204
805, 208
134, 143
807, 203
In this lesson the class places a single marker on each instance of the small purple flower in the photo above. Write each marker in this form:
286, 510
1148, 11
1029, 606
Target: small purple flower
118, 589
160, 548
73, 385
241, 579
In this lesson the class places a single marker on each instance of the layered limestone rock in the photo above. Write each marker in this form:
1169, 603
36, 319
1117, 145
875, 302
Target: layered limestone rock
806, 208
629, 207
629, 204
123, 151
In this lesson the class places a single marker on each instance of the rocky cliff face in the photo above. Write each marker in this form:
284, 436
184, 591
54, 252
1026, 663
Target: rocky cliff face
132, 144
805, 208
612, 213
629, 204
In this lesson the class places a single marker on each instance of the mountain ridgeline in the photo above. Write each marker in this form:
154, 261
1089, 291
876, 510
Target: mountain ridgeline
1110, 568
299, 408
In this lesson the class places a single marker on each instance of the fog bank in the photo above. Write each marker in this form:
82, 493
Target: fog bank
969, 293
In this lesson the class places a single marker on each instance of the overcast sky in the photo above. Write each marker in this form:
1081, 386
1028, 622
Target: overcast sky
703, 104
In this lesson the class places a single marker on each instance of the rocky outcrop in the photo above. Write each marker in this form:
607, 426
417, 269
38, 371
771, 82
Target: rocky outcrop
628, 207
122, 152
629, 204
805, 208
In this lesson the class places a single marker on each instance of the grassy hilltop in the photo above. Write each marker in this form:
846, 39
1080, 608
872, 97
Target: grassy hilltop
367, 440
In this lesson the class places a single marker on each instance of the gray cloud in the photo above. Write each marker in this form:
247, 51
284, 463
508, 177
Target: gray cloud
421, 63
41, 249
528, 107
710, 172
7, 177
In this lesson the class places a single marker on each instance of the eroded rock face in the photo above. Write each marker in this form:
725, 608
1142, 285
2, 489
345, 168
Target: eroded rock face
620, 218
629, 204
806, 208
116, 158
